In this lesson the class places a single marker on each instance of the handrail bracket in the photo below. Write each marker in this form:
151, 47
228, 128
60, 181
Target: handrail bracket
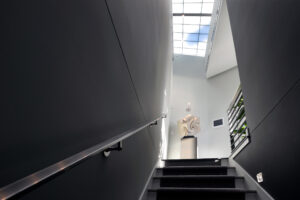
153, 124
119, 147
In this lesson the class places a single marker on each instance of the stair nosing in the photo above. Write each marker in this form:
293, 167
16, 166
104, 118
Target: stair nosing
203, 159
198, 176
195, 167
202, 189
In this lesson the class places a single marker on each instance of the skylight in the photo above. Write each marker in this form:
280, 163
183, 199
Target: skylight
191, 25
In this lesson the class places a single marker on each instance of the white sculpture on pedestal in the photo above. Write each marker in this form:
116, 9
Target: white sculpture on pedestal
187, 127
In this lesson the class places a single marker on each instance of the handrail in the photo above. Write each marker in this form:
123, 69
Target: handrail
27, 182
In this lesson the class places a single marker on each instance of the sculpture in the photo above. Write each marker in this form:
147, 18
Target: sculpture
189, 125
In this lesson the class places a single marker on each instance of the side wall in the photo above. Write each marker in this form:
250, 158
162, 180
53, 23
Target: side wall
267, 45
75, 73
209, 99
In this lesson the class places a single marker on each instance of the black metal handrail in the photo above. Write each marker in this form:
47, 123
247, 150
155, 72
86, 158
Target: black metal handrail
31, 180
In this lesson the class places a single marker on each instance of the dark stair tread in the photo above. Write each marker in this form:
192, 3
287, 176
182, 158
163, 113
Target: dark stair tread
195, 170
208, 193
192, 162
229, 190
198, 176
196, 167
200, 159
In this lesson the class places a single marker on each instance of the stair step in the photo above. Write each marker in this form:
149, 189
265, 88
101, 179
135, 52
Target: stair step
199, 176
193, 162
217, 190
195, 170
191, 167
200, 193
193, 181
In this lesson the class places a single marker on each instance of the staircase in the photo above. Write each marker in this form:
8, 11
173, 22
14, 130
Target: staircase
197, 179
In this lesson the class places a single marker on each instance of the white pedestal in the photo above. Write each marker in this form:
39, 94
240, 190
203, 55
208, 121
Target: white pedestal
188, 147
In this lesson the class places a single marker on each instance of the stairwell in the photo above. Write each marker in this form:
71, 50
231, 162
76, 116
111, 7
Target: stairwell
197, 179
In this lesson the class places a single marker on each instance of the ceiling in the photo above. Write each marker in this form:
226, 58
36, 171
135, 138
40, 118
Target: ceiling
222, 55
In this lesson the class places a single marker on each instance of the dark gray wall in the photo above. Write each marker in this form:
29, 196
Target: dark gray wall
147, 24
267, 42
70, 79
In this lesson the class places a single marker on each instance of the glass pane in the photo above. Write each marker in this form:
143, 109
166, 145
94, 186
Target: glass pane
207, 1
177, 28
177, 20
190, 51
191, 20
201, 53
207, 7
191, 37
177, 36
205, 20
177, 1
190, 28
204, 29
192, 7
191, 45
203, 37
178, 44
202, 45
177, 8
178, 50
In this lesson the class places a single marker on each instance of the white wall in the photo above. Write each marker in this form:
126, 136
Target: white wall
167, 98
222, 56
166, 105
210, 99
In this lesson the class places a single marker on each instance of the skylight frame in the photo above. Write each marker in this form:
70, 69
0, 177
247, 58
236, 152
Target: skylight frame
201, 32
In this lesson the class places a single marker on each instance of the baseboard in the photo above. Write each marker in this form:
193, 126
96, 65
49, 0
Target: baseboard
250, 183
143, 194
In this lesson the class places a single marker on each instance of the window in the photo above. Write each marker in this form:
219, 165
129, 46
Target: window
191, 26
